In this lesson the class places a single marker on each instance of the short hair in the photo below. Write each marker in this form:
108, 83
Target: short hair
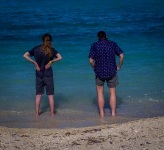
101, 35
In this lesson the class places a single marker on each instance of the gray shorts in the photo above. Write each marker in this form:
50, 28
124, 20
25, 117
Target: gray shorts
111, 82
45, 82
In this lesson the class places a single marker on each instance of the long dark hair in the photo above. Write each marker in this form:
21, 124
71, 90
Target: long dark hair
47, 44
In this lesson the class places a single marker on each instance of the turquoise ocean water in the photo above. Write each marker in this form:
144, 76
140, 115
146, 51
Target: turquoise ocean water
136, 26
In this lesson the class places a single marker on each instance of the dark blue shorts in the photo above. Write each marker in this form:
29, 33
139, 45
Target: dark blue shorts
111, 82
44, 83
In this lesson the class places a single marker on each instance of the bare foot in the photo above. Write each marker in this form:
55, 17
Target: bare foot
37, 115
52, 114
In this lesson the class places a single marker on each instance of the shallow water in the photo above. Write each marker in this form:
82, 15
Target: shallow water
137, 30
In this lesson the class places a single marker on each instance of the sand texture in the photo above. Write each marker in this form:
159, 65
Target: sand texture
144, 134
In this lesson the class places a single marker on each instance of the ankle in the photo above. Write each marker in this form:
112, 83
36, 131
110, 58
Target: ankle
102, 114
113, 114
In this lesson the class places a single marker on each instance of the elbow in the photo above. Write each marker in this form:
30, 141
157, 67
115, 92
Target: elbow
59, 57
122, 55
24, 55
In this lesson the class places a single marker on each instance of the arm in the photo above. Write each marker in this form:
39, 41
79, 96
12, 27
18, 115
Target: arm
120, 61
58, 58
92, 62
27, 57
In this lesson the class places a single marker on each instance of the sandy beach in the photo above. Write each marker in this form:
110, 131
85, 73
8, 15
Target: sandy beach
135, 135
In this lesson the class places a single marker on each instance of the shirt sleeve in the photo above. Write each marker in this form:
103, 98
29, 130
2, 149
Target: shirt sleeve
118, 50
31, 52
54, 53
91, 53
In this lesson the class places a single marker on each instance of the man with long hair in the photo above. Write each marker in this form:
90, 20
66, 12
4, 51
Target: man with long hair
45, 55
102, 59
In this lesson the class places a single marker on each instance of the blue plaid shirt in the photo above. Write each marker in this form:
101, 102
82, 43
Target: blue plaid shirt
104, 53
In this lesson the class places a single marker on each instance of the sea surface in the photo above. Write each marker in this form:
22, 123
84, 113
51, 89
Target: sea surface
136, 26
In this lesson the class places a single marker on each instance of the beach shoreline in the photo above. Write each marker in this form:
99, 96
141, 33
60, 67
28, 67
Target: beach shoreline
64, 119
139, 134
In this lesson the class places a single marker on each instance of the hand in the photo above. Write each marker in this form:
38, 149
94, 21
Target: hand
47, 66
118, 68
37, 67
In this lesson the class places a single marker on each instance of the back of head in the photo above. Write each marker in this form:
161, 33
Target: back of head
46, 37
101, 35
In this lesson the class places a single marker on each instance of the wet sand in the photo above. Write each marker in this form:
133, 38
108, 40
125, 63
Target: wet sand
136, 135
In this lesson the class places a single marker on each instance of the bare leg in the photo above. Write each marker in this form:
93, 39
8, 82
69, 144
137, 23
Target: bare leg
112, 92
100, 96
51, 102
37, 104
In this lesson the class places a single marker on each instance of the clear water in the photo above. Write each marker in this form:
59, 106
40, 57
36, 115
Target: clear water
136, 26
